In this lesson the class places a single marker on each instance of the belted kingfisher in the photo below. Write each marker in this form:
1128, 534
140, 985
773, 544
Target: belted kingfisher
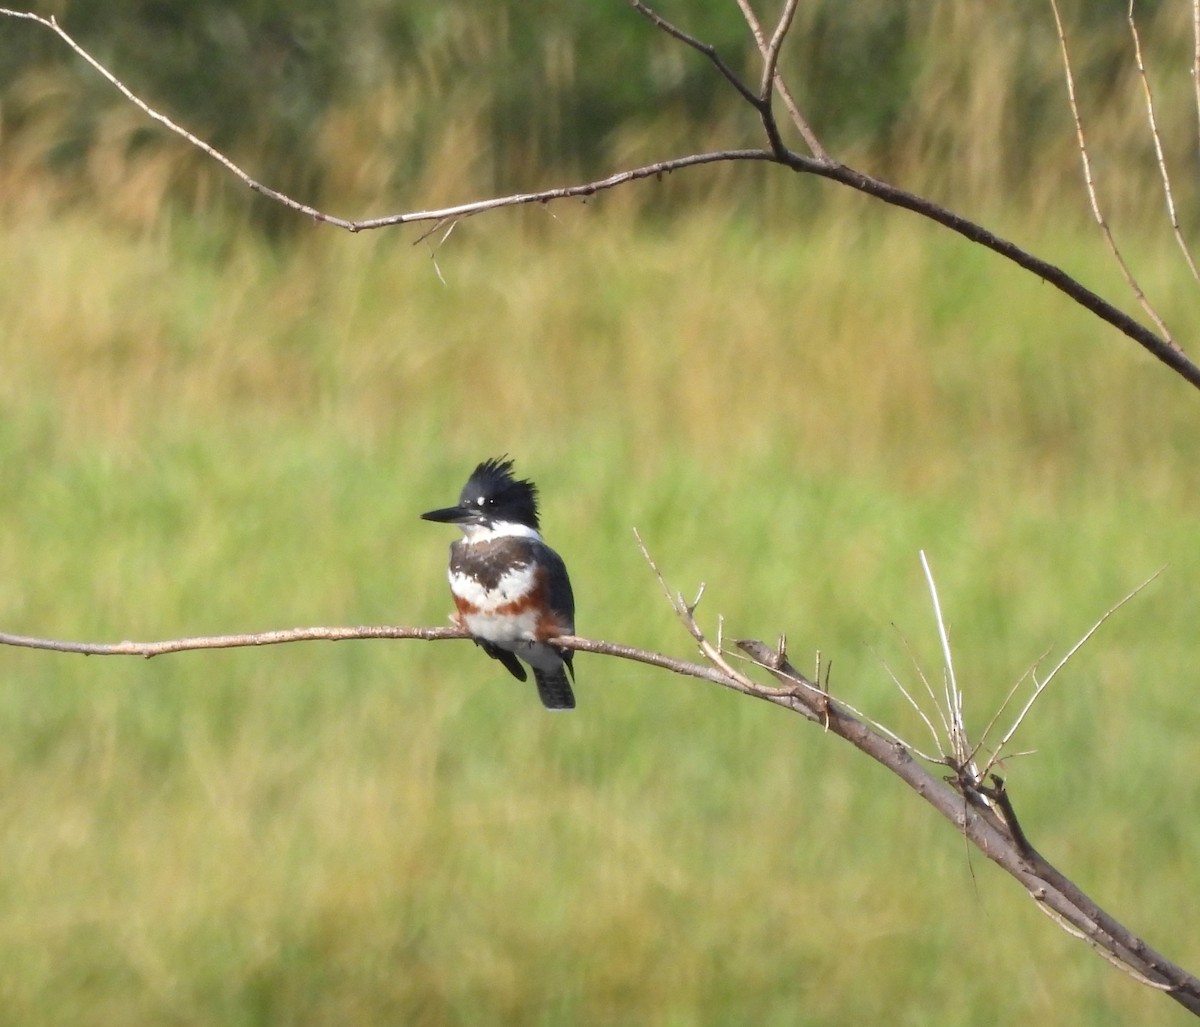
511, 590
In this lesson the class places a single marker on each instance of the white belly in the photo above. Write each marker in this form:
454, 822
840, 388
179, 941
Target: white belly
487, 622
502, 629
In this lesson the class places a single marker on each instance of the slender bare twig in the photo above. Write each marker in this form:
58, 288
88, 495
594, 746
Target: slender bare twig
686, 613
1196, 60
771, 57
925, 681
760, 102
1158, 149
816, 698
707, 49
250, 639
959, 743
995, 718
802, 126
1090, 184
1040, 686
937, 739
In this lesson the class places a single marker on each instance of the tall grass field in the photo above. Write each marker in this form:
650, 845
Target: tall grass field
201, 433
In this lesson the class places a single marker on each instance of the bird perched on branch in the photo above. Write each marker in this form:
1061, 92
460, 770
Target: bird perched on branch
510, 589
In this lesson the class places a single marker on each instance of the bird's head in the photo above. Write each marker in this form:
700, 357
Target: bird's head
493, 503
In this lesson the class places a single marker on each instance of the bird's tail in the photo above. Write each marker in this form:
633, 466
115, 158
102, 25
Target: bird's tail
554, 689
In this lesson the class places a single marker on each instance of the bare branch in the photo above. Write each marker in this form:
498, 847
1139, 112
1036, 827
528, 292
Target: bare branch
252, 640
1090, 183
1040, 686
1000, 712
1161, 348
941, 756
707, 49
994, 832
1158, 150
179, 645
761, 102
1196, 60
810, 139
439, 215
771, 57
959, 744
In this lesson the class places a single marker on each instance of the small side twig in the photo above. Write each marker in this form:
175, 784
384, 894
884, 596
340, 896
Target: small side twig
1196, 60
1040, 686
937, 740
802, 126
1158, 148
959, 743
706, 49
1090, 184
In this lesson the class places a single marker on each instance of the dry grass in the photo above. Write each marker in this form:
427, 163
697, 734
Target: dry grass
203, 432
207, 434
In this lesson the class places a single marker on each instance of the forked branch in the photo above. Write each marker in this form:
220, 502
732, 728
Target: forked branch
818, 162
982, 812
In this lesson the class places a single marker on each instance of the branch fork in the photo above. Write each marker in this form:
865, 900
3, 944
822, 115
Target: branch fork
817, 161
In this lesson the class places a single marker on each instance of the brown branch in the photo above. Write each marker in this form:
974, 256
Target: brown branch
771, 56
252, 640
1161, 348
706, 49
781, 87
437, 215
999, 838
983, 814
761, 101
1157, 346
180, 645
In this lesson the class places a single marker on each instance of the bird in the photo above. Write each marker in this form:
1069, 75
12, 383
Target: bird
511, 591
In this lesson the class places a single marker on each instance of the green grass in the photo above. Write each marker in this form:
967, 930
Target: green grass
199, 434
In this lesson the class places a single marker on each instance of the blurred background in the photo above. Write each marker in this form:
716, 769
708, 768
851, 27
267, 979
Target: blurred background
217, 417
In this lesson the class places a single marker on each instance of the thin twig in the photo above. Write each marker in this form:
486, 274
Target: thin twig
802, 126
924, 680
284, 636
1196, 61
807, 696
761, 102
707, 49
1158, 149
1041, 686
959, 743
1004, 706
687, 614
937, 740
771, 57
1090, 183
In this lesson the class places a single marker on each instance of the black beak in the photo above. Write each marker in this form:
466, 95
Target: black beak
448, 515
